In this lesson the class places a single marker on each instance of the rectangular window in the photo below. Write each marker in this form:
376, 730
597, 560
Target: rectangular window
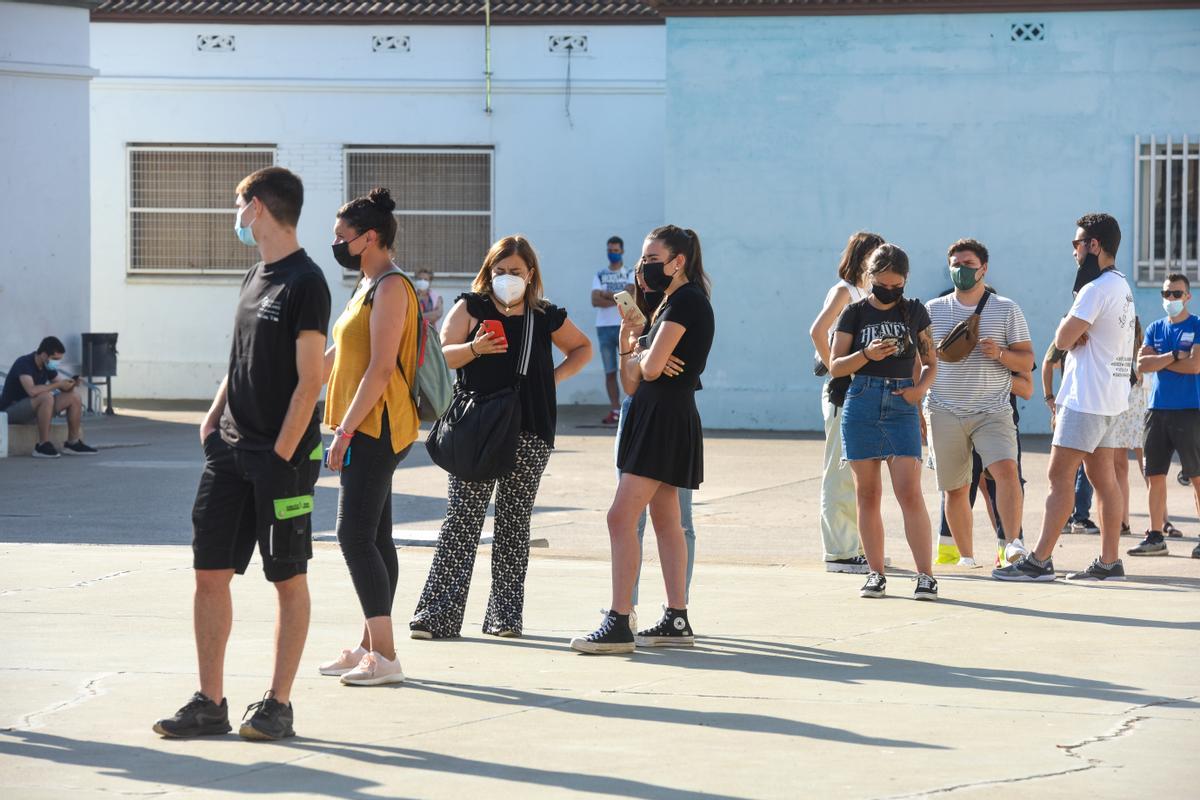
1166, 216
443, 202
181, 208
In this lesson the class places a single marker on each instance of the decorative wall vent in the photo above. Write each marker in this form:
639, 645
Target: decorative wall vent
216, 43
1029, 31
390, 44
564, 44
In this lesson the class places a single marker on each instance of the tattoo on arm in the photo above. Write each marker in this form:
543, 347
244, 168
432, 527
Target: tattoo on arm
924, 343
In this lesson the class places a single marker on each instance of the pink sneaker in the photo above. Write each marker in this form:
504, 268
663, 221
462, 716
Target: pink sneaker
343, 663
374, 670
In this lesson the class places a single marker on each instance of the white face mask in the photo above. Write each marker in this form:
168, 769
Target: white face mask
508, 288
421, 284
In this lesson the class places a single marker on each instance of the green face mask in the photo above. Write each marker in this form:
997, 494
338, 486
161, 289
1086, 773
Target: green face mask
964, 277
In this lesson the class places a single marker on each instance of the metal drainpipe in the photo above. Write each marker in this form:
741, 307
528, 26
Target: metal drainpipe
487, 56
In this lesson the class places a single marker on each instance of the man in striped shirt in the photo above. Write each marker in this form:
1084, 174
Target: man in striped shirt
968, 406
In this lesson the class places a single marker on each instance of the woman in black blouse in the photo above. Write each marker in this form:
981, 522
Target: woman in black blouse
508, 286
662, 445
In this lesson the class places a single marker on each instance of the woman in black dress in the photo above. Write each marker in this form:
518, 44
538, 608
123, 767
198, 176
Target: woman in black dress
662, 445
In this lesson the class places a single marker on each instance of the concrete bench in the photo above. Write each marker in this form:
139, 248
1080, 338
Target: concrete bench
19, 440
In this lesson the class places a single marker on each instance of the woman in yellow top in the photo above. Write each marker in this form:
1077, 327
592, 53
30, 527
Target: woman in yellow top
370, 408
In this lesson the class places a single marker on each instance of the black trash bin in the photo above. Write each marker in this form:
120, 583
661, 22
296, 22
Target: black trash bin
100, 361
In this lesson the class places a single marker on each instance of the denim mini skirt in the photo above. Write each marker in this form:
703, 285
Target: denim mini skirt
878, 424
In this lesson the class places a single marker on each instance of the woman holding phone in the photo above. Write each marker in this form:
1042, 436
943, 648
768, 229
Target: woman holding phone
370, 408
661, 448
481, 339
884, 342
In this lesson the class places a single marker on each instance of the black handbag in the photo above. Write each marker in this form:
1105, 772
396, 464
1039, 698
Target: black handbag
476, 439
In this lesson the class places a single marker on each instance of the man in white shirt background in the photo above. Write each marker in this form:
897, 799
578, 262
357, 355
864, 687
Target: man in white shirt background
616, 277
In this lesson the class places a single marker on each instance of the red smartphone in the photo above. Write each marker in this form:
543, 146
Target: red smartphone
496, 328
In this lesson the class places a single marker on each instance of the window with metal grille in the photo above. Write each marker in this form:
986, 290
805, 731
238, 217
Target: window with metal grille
443, 202
1166, 214
181, 208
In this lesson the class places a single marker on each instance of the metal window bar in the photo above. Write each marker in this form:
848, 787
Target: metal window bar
444, 202
1166, 222
180, 208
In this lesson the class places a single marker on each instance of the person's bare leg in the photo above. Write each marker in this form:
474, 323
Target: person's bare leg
43, 406
633, 493
1195, 493
610, 384
73, 403
212, 619
1100, 471
961, 520
868, 492
1121, 473
1060, 502
291, 630
1009, 497
1157, 500
672, 549
382, 640
906, 483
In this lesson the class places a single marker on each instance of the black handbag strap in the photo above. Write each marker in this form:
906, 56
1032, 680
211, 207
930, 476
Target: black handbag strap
982, 302
526, 344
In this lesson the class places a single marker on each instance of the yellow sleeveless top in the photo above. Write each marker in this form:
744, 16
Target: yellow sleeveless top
352, 338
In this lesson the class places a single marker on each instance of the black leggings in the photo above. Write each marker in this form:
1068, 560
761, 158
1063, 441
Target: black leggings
364, 520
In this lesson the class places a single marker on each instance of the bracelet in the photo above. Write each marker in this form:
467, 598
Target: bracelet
342, 433
626, 353
474, 352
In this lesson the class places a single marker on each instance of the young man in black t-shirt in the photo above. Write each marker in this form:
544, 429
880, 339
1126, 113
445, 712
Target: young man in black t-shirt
262, 455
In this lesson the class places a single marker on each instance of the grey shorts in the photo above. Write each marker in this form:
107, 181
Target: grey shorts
952, 438
1079, 430
21, 412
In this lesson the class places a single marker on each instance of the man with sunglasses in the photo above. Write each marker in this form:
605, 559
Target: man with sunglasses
1173, 421
1098, 336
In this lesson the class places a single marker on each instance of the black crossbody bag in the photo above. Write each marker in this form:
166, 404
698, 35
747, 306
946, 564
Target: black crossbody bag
476, 439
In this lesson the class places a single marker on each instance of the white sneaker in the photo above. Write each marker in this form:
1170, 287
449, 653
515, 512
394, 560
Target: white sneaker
633, 620
1015, 550
374, 670
343, 663
968, 562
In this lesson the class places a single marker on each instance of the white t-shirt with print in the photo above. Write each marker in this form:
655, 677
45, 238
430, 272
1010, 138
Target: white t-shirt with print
1096, 373
611, 280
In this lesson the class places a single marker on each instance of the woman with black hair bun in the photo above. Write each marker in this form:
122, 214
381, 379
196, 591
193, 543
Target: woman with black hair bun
369, 406
661, 449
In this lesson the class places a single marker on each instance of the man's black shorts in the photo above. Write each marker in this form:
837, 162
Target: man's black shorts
1172, 431
249, 496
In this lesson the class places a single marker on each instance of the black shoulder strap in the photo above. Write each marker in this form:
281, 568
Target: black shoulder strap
527, 343
982, 302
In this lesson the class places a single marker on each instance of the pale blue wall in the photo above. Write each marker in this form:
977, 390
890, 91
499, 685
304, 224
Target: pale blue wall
784, 135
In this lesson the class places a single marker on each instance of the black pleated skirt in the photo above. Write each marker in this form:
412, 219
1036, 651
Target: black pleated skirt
662, 437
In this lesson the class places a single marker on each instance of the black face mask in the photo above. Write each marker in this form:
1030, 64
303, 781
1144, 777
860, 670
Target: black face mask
1088, 271
887, 294
655, 277
341, 254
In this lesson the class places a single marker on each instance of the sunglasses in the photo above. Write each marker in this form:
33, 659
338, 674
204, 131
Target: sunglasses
1077, 242
1173, 294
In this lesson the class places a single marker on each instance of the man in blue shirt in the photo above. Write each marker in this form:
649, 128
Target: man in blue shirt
1173, 421
30, 396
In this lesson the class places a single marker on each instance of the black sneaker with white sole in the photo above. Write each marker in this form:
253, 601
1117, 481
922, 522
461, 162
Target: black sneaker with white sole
200, 716
926, 588
78, 448
1171, 531
673, 630
1026, 570
44, 450
1098, 571
272, 720
876, 586
1152, 545
855, 565
1196, 551
613, 636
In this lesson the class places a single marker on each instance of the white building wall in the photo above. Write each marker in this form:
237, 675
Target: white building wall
44, 197
567, 183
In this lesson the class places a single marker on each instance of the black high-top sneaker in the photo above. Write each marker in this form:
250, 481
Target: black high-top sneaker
613, 636
673, 630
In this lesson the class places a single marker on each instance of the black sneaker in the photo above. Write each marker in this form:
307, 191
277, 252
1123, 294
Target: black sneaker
199, 717
1084, 525
78, 448
1126, 530
1152, 545
1196, 551
44, 450
876, 586
926, 587
1099, 572
272, 720
613, 636
1171, 531
673, 630
855, 565
1025, 570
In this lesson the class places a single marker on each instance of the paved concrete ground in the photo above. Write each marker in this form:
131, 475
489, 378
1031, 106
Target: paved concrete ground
797, 688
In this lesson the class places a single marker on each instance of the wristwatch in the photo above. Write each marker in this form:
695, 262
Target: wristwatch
1174, 355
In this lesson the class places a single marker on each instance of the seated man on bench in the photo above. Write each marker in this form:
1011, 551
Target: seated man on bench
29, 396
